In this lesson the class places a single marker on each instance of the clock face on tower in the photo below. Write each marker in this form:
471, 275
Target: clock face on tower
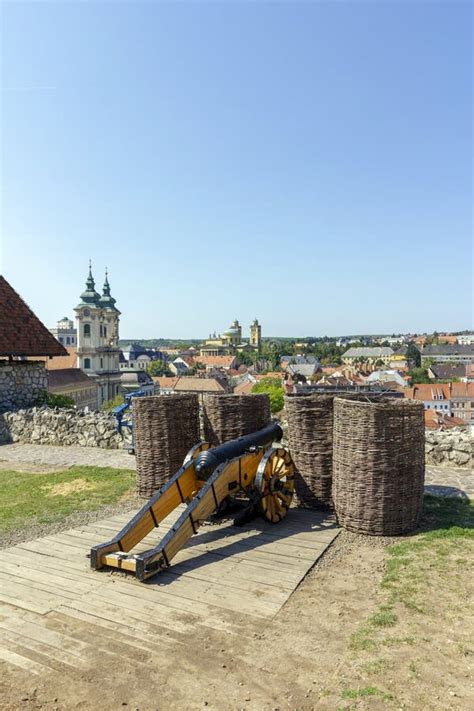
87, 312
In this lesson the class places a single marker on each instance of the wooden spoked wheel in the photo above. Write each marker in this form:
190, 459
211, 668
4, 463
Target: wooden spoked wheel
194, 451
275, 481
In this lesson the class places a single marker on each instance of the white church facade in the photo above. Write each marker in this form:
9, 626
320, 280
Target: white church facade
97, 326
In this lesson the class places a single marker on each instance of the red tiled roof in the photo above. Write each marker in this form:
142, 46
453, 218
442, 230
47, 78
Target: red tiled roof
221, 361
165, 382
21, 332
244, 388
69, 379
437, 391
434, 420
60, 362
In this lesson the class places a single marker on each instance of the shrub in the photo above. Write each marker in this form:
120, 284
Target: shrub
109, 405
52, 400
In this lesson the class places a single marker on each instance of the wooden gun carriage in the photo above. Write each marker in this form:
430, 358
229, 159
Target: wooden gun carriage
208, 476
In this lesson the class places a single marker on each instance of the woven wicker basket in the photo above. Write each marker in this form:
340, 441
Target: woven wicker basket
165, 429
310, 424
228, 417
379, 465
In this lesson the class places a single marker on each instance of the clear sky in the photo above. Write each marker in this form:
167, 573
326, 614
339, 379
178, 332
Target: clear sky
309, 163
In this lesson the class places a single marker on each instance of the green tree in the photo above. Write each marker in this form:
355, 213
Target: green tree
274, 389
413, 355
109, 405
53, 400
245, 358
418, 376
157, 368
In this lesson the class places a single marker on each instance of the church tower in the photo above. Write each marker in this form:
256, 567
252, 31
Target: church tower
97, 320
256, 335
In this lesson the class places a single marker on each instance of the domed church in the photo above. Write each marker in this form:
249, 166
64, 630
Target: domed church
230, 342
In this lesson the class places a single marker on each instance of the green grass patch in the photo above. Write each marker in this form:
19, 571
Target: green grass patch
362, 639
394, 641
417, 565
383, 618
27, 499
364, 692
377, 666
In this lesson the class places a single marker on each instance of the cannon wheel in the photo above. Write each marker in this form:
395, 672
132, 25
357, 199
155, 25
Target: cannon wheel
194, 451
275, 482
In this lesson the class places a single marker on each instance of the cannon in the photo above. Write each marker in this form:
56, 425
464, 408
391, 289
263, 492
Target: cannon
250, 464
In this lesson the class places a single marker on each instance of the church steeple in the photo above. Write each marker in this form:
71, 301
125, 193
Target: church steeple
107, 301
90, 295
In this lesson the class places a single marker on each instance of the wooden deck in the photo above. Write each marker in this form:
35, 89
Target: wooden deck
53, 608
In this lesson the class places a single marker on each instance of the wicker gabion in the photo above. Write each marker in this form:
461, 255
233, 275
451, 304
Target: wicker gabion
310, 436
228, 417
310, 427
379, 465
165, 429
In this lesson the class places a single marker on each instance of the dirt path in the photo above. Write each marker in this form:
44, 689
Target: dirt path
302, 659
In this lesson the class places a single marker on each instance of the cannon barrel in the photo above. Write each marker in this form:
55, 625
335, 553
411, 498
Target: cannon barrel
207, 461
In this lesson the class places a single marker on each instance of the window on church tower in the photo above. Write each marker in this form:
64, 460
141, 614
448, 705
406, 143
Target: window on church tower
87, 363
87, 330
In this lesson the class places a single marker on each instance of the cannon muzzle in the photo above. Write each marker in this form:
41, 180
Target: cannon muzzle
208, 461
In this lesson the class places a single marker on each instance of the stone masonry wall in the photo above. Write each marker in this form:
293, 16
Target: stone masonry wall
20, 383
42, 425
451, 447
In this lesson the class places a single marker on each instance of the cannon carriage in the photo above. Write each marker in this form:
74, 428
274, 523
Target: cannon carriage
249, 465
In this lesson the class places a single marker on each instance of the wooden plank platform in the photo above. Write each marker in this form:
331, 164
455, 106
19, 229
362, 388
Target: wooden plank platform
55, 610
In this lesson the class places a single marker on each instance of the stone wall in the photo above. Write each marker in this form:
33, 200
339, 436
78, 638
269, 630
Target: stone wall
42, 425
451, 447
20, 383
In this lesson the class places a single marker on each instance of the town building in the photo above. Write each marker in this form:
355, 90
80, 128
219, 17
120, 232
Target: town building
179, 366
466, 339
370, 354
98, 353
23, 338
287, 360
230, 342
439, 421
452, 399
447, 338
224, 362
189, 384
391, 378
305, 371
65, 378
448, 353
65, 332
136, 357
133, 380
75, 384
449, 371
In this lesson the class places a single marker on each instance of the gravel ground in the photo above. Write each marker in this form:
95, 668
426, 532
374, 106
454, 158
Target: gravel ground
42, 457
74, 520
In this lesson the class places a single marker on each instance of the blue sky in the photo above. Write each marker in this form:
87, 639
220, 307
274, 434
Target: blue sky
309, 163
